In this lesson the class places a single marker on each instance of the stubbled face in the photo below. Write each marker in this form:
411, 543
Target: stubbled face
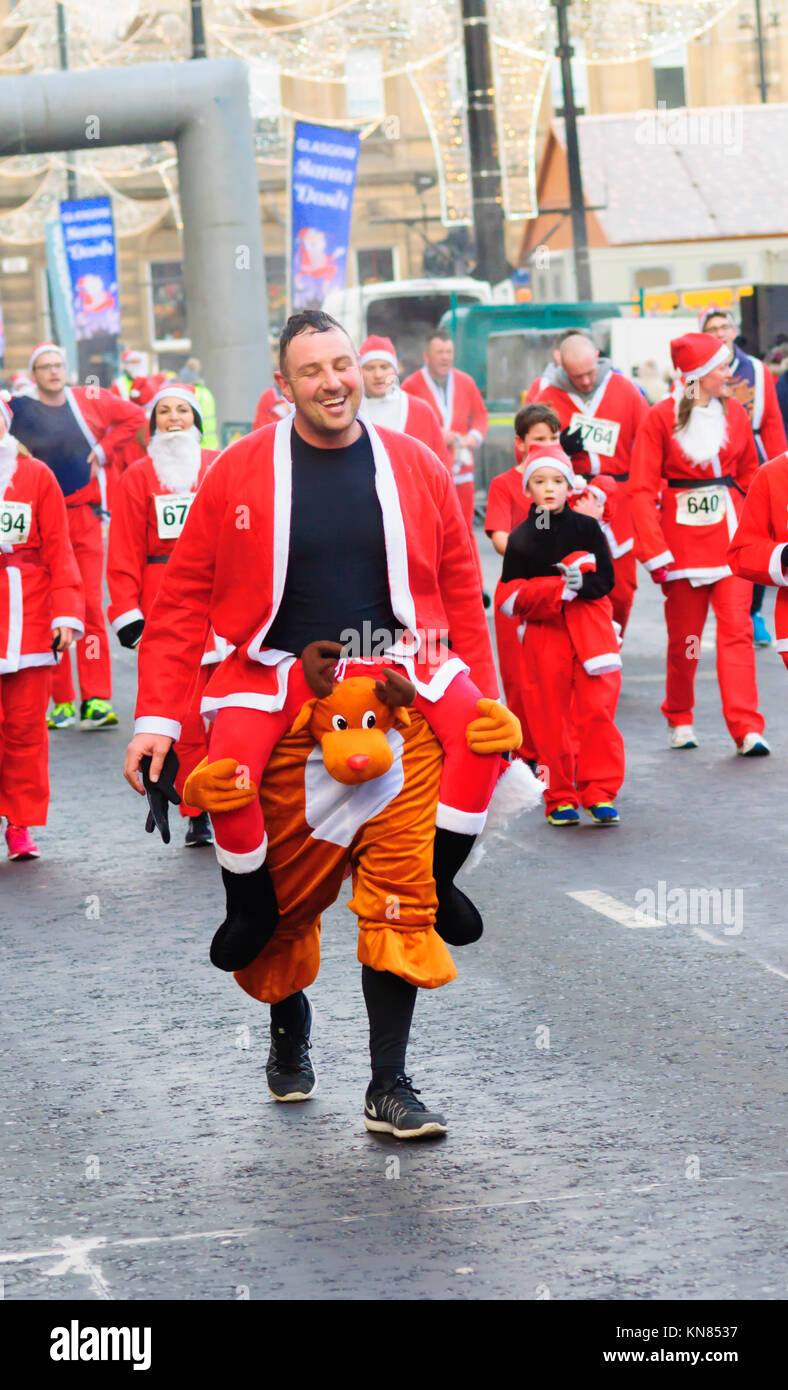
49, 372
321, 376
721, 327
439, 358
379, 377
579, 363
548, 489
173, 414
537, 434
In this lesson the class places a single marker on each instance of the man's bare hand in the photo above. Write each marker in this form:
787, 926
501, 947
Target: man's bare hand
156, 746
93, 460
64, 636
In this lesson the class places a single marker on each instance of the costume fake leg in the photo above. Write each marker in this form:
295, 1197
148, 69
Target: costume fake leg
24, 746
467, 779
730, 599
600, 747
685, 614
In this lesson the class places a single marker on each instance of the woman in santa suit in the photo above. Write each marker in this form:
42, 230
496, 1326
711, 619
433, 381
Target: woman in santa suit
151, 505
693, 460
41, 612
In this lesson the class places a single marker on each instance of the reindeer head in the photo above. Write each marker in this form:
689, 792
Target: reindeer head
350, 720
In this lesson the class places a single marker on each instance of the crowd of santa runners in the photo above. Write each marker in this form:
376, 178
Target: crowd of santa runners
368, 487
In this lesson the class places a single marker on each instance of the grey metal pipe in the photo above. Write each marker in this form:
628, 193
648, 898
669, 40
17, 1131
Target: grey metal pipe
203, 106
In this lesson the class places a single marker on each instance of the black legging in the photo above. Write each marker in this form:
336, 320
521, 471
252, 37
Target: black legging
389, 1002
758, 592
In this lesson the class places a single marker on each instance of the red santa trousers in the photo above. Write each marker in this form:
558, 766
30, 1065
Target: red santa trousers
24, 745
250, 736
192, 746
622, 595
93, 661
571, 718
686, 610
508, 645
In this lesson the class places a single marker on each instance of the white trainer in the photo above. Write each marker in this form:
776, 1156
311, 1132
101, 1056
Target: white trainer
754, 746
683, 736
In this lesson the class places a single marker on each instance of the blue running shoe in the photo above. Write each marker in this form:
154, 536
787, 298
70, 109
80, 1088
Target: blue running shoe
761, 635
564, 815
603, 813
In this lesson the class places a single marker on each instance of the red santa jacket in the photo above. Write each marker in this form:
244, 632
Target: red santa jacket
40, 585
589, 622
270, 407
618, 408
756, 549
147, 520
684, 518
407, 413
230, 565
463, 410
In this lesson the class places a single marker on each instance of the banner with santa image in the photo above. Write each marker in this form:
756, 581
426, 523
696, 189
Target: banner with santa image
323, 182
89, 239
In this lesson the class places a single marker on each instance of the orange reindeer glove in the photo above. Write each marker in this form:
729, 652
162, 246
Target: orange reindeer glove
221, 786
498, 730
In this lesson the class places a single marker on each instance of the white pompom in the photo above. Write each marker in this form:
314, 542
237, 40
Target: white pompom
516, 791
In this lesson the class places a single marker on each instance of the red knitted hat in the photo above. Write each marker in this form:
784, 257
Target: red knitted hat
695, 354
378, 350
551, 454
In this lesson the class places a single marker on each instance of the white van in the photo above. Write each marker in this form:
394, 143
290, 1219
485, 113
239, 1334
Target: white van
403, 310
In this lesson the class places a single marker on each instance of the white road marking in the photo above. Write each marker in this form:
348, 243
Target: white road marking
622, 913
76, 1261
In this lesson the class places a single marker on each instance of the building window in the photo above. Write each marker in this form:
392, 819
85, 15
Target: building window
651, 277
374, 265
670, 77
726, 270
168, 301
276, 285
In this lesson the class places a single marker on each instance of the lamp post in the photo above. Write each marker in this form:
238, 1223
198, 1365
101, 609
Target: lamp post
570, 113
488, 221
62, 52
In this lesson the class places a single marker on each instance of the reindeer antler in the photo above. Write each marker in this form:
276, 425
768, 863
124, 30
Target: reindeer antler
318, 660
395, 690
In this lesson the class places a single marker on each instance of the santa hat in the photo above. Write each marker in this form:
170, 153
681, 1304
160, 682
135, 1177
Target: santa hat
43, 347
713, 311
144, 388
6, 413
130, 359
378, 350
181, 393
695, 354
551, 454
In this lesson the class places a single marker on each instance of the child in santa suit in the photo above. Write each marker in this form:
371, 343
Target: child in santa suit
152, 502
759, 549
557, 573
507, 505
41, 612
693, 461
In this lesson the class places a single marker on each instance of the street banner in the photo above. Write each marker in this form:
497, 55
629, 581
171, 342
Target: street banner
323, 182
60, 297
89, 238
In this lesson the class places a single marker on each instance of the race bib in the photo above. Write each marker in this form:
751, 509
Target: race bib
700, 506
172, 510
599, 436
16, 519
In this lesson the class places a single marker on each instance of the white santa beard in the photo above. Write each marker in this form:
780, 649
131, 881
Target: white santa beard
384, 410
8, 456
705, 433
176, 458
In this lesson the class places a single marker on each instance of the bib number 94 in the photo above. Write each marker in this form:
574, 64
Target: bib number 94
16, 519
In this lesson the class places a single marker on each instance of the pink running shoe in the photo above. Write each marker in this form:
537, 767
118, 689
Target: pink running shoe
21, 844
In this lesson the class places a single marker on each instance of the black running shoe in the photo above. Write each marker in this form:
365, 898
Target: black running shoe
289, 1072
394, 1109
198, 831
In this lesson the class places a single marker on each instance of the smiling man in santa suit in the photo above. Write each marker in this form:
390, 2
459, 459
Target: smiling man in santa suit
693, 461
77, 431
313, 529
386, 404
600, 411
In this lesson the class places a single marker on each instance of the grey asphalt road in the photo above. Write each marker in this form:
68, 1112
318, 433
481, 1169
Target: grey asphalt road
615, 1090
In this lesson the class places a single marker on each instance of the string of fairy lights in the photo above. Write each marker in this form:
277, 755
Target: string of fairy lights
305, 62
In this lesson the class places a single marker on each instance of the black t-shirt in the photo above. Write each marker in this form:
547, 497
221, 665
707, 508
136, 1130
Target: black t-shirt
538, 543
337, 577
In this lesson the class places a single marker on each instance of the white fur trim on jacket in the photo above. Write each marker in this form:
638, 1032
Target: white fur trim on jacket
463, 822
603, 664
776, 571
74, 623
151, 724
242, 863
134, 615
658, 562
10, 662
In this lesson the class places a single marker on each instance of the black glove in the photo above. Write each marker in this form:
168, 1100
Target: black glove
784, 557
161, 795
571, 441
129, 635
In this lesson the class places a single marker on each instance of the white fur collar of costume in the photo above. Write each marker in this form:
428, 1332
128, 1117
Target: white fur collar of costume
176, 458
8, 455
705, 433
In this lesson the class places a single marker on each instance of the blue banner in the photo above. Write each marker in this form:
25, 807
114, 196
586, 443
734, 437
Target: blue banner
89, 238
323, 183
